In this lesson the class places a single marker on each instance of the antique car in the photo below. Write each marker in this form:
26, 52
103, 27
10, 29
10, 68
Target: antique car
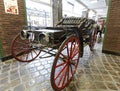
68, 37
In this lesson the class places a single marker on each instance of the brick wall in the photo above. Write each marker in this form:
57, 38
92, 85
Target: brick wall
11, 25
112, 36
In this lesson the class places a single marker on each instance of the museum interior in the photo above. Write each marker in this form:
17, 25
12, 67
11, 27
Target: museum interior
59, 45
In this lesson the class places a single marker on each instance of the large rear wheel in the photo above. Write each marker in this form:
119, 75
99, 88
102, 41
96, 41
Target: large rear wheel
93, 39
23, 51
65, 63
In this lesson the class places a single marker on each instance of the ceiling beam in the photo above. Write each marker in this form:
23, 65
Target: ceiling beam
100, 7
79, 1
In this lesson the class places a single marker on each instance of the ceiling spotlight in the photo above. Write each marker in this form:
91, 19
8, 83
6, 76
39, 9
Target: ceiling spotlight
93, 1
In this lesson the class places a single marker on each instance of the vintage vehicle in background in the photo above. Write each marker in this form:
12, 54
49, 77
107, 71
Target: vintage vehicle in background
69, 37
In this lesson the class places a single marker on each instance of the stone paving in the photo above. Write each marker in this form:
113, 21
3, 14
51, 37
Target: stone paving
96, 72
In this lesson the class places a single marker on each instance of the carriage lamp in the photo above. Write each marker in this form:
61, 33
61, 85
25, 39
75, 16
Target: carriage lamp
43, 38
24, 35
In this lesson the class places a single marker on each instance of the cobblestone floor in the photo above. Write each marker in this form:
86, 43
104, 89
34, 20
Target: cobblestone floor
96, 72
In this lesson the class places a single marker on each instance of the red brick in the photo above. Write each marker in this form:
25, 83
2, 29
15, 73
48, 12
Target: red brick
10, 25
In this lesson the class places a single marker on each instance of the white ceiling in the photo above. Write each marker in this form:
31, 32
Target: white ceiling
101, 6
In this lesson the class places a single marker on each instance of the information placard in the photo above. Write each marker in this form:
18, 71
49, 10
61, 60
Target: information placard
11, 6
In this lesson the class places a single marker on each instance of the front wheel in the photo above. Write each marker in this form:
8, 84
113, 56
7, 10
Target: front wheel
65, 63
23, 51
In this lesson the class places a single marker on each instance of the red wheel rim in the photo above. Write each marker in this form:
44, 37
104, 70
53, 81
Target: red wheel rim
65, 63
22, 51
93, 40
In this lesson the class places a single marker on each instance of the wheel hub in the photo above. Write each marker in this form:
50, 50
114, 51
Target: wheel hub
70, 61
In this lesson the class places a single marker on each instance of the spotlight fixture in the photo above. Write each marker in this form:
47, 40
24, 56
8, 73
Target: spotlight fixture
93, 1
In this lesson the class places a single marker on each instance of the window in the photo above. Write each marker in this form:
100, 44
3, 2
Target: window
38, 16
72, 8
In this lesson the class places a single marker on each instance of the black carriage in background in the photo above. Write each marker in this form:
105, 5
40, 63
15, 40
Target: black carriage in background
69, 38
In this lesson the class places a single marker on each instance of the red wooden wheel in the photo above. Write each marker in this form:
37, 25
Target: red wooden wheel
23, 51
93, 39
65, 63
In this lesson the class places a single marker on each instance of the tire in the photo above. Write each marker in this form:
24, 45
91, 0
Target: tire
65, 63
23, 51
93, 39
